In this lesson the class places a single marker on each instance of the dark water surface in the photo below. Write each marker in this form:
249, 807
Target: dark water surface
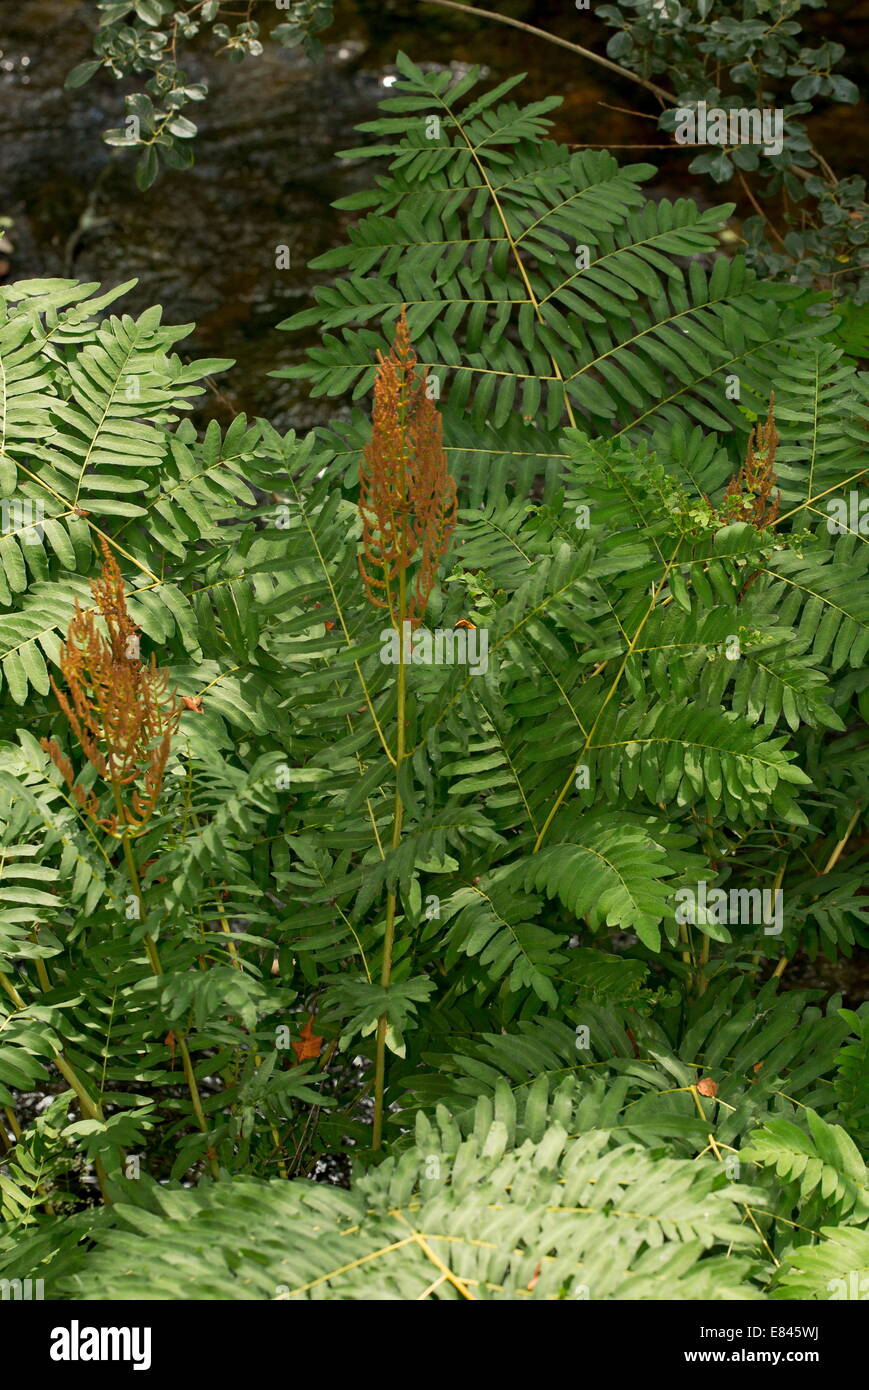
202, 242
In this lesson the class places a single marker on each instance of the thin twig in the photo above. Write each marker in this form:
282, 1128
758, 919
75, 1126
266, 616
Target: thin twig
660, 92
759, 210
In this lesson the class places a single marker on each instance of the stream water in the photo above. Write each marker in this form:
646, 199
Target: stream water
202, 242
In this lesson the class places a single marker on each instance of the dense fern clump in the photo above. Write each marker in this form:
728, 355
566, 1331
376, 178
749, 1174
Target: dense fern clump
505, 881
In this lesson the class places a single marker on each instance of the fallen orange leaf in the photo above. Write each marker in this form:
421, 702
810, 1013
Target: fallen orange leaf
309, 1045
707, 1087
193, 702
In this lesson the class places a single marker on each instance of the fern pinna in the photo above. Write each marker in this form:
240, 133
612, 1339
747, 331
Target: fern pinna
495, 895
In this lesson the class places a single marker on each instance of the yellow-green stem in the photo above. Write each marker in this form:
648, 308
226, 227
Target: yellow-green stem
397, 819
702, 981
13, 1121
837, 851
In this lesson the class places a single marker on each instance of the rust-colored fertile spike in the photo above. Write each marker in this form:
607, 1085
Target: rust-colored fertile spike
753, 484
407, 497
118, 708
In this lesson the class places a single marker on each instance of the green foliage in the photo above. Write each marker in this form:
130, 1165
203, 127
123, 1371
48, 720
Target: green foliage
748, 56
507, 1205
745, 55
479, 230
524, 898
852, 1082
824, 1161
834, 1268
